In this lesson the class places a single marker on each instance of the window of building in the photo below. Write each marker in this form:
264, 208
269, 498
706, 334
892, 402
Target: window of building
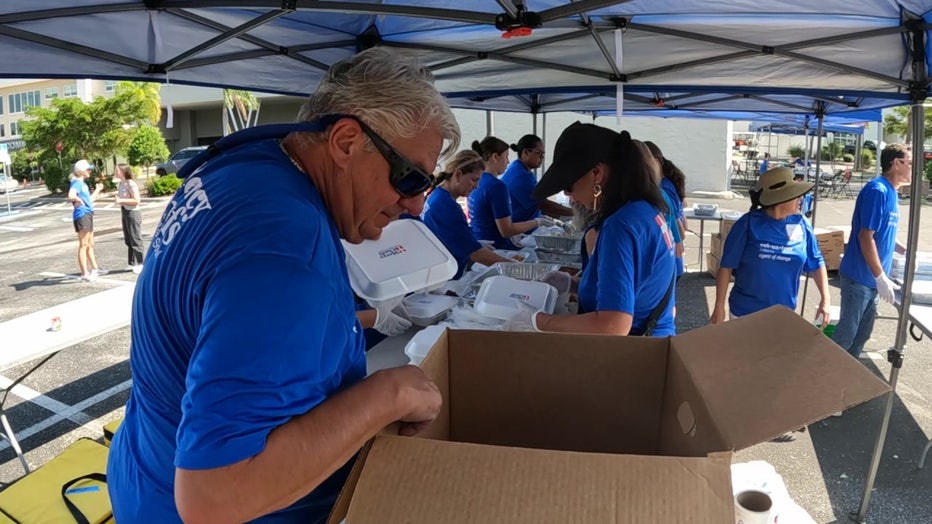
20, 101
2, 131
51, 92
110, 85
70, 90
14, 129
1, 105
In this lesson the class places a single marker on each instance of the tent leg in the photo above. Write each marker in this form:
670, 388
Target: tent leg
543, 138
895, 354
815, 199
489, 124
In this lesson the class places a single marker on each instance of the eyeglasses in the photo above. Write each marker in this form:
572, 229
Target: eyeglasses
537, 152
407, 179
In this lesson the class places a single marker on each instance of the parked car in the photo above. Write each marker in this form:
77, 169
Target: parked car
177, 160
869, 144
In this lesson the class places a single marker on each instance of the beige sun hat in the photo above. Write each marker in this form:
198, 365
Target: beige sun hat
777, 185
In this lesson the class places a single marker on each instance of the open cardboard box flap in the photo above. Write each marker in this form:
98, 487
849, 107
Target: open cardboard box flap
556, 428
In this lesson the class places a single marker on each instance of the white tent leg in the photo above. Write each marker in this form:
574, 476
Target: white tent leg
815, 201
489, 123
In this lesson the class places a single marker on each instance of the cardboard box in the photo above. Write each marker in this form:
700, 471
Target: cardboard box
577, 428
725, 227
717, 245
846, 231
712, 263
832, 245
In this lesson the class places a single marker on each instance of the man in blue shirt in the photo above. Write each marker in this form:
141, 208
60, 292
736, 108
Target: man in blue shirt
765, 165
250, 394
83, 218
869, 253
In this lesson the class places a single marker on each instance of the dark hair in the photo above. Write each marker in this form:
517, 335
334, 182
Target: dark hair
489, 146
526, 142
630, 180
669, 170
126, 170
891, 153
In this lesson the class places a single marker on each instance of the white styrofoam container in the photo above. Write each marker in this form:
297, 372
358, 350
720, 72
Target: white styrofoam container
407, 258
499, 295
427, 310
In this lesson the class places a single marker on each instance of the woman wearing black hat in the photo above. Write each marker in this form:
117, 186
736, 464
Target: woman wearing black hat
767, 251
521, 182
627, 286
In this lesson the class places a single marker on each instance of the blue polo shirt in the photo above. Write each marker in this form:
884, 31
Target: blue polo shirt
876, 209
521, 182
631, 268
243, 319
446, 219
768, 259
84, 194
488, 203
675, 213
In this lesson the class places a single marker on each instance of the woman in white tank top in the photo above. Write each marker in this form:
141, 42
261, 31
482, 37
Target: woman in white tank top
129, 198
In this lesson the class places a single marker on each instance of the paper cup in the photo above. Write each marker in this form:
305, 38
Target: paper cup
753, 507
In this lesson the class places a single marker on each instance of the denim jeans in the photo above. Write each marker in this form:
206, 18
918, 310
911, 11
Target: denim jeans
856, 322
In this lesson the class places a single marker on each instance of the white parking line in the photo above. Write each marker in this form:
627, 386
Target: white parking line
74, 276
16, 229
41, 400
69, 413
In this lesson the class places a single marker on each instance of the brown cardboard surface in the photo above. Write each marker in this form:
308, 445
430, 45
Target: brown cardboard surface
771, 372
712, 263
725, 227
413, 480
717, 245
832, 245
561, 392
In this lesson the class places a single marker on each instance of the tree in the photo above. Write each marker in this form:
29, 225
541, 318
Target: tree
246, 107
147, 94
896, 122
96, 130
147, 147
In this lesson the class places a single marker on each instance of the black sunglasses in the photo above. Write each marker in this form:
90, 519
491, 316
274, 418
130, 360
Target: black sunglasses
407, 179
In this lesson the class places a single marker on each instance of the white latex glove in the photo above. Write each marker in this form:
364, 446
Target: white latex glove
545, 221
387, 322
563, 282
524, 320
886, 288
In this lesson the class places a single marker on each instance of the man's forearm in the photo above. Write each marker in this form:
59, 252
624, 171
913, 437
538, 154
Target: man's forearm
298, 456
869, 252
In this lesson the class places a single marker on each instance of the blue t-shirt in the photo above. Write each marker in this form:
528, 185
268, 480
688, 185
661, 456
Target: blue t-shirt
768, 259
242, 320
764, 166
446, 219
876, 209
84, 194
521, 182
488, 203
675, 213
631, 268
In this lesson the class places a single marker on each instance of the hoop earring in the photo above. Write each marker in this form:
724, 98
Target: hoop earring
596, 193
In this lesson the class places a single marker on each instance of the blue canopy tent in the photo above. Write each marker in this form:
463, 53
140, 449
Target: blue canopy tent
805, 57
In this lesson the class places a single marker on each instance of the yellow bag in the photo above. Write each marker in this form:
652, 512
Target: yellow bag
70, 488
109, 431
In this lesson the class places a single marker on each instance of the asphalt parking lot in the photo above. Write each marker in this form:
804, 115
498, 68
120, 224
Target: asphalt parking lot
86, 386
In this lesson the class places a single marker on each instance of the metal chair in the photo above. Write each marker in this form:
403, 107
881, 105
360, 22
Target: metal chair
843, 185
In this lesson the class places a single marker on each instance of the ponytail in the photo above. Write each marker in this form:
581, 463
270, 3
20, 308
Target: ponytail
630, 178
489, 146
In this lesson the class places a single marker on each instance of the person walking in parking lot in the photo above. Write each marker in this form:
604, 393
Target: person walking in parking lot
83, 216
869, 253
129, 198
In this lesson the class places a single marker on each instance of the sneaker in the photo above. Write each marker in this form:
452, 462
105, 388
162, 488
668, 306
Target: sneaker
98, 272
90, 277
137, 269
129, 268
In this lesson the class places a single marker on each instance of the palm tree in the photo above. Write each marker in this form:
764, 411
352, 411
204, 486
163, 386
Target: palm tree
246, 107
148, 93
896, 122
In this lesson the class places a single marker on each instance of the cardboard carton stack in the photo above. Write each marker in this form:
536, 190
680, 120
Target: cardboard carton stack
540, 427
832, 244
713, 257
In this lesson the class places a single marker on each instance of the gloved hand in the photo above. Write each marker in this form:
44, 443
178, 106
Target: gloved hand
524, 320
563, 282
545, 221
387, 322
886, 288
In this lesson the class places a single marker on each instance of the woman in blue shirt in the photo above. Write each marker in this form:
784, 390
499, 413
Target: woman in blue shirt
768, 249
673, 183
444, 216
630, 275
521, 181
489, 205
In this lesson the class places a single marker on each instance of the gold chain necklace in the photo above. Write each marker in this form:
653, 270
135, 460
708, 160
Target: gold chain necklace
281, 145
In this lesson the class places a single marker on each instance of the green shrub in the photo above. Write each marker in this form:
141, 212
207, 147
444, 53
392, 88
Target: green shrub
163, 185
867, 158
56, 178
147, 147
847, 157
798, 151
927, 170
